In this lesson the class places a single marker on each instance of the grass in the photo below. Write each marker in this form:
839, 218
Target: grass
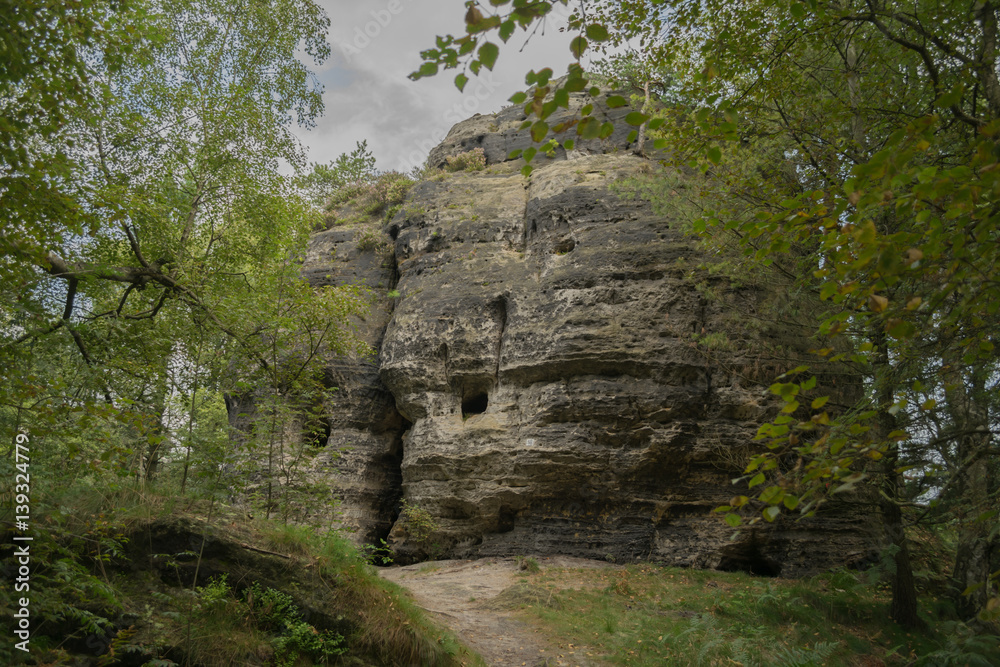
528, 564
652, 616
125, 574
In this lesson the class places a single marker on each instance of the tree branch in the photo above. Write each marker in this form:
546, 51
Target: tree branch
70, 297
925, 56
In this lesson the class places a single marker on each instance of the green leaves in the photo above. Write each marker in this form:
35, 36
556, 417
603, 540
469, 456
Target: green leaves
636, 118
539, 130
488, 53
597, 33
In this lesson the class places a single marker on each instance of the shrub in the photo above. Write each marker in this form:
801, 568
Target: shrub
375, 196
420, 525
474, 160
277, 611
370, 238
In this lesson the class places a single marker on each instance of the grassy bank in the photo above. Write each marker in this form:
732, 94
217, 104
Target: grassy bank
144, 578
652, 616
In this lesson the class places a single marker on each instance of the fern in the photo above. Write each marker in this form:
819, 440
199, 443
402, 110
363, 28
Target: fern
965, 647
806, 657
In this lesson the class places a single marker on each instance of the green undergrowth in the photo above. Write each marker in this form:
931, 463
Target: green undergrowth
376, 199
651, 615
149, 578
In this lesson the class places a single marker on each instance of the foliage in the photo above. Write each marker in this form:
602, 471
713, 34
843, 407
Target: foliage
324, 181
474, 160
376, 195
374, 240
176, 288
420, 527
277, 611
48, 75
380, 554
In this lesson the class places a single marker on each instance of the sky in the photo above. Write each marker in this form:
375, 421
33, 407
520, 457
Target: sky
376, 44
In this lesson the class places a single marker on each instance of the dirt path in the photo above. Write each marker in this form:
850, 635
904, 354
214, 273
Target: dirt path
462, 594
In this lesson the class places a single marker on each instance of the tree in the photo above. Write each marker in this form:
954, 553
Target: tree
355, 167
47, 75
183, 225
884, 118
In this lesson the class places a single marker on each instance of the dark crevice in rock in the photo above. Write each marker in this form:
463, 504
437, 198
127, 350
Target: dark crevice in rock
393, 278
747, 557
475, 404
392, 464
317, 433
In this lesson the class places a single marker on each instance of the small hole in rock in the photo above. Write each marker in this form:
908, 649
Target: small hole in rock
474, 405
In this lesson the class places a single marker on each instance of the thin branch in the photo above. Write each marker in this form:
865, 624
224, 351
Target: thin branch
121, 304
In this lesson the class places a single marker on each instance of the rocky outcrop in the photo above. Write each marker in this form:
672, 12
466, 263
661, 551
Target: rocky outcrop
361, 435
551, 380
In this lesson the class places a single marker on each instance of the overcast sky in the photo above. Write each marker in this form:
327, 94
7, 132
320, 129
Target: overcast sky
376, 44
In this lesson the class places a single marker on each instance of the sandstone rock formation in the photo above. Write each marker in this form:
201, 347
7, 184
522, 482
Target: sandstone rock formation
538, 388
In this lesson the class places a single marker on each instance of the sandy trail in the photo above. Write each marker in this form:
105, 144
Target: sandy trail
458, 593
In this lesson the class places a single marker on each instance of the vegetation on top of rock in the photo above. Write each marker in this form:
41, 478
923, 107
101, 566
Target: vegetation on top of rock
474, 160
350, 189
375, 195
325, 180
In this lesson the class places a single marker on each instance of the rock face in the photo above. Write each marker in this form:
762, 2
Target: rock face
539, 389
362, 430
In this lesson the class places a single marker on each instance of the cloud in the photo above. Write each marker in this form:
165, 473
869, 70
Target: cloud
376, 44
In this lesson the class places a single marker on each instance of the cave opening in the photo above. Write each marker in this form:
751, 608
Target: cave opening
748, 558
475, 404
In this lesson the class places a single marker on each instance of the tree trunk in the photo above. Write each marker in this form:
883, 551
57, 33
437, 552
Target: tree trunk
976, 487
904, 609
155, 447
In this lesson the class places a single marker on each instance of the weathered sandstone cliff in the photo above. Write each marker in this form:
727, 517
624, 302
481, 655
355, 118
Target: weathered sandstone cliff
538, 388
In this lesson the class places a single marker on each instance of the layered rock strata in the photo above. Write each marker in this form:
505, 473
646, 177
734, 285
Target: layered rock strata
539, 387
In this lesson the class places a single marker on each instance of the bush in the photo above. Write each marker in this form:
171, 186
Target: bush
474, 160
276, 611
375, 196
373, 239
421, 526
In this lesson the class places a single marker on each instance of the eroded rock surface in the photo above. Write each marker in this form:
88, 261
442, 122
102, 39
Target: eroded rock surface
539, 389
